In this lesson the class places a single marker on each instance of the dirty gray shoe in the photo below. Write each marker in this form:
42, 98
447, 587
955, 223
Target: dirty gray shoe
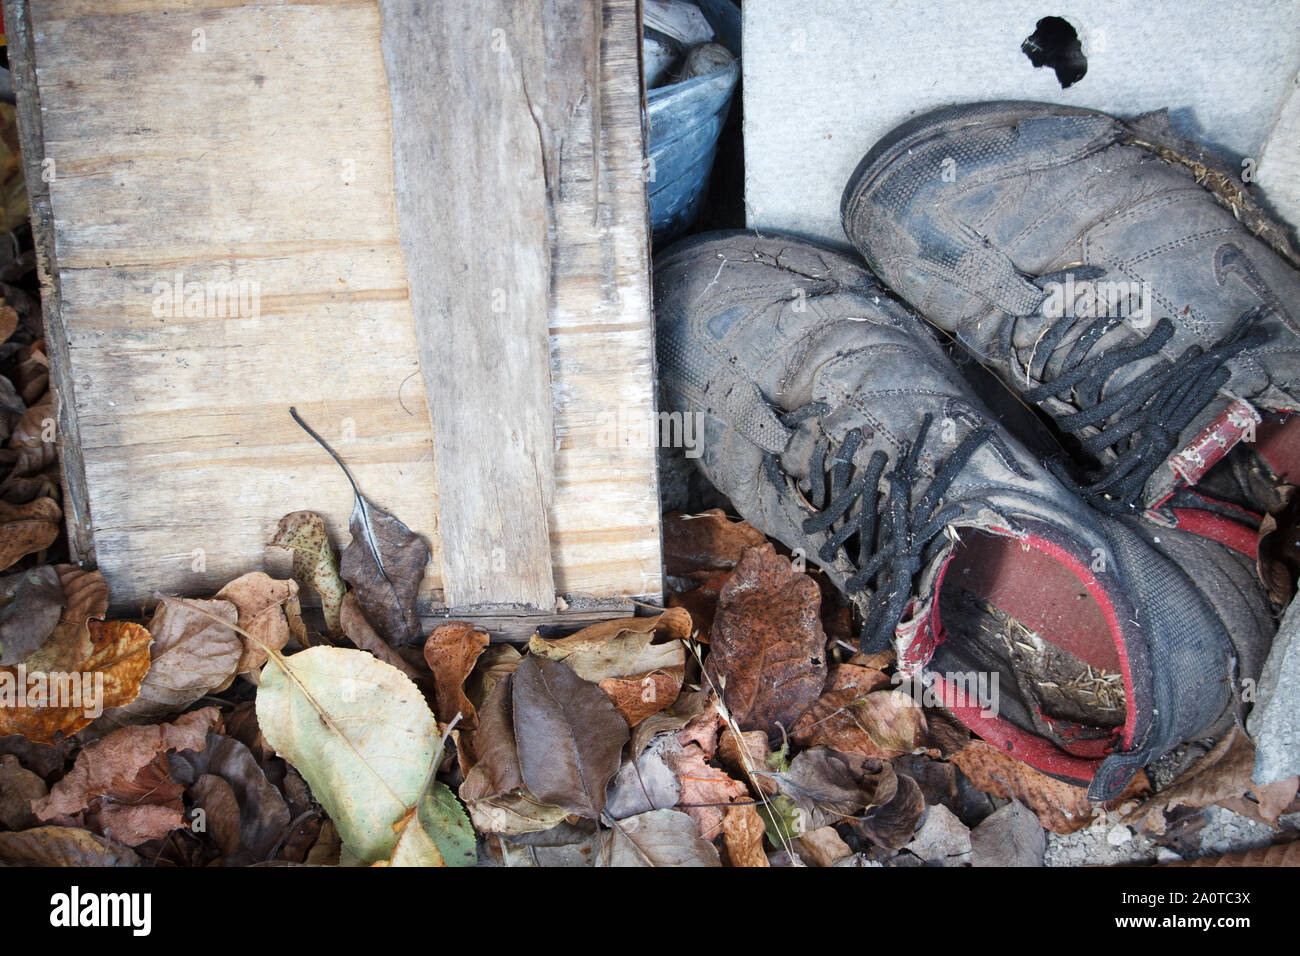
1103, 269
834, 422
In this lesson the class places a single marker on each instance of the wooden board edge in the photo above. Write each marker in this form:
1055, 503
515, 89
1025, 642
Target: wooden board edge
31, 139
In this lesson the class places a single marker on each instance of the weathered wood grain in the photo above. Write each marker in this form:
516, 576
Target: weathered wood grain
31, 136
470, 175
266, 156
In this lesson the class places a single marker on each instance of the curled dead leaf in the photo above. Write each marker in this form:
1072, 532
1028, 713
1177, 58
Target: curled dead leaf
451, 652
707, 542
767, 655
315, 563
266, 607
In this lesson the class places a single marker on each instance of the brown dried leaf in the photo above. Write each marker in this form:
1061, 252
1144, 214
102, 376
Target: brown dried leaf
706, 790
621, 648
451, 652
385, 562
833, 720
64, 702
893, 824
195, 651
636, 698
265, 608
85, 594
1282, 854
828, 786
747, 754
1061, 807
742, 836
32, 604
768, 651
32, 527
119, 786
568, 734
658, 838
63, 846
246, 815
822, 847
1220, 777
358, 630
702, 603
707, 542
18, 788
494, 791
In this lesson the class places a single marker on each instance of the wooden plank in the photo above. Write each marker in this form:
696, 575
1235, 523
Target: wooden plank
470, 177
31, 140
267, 157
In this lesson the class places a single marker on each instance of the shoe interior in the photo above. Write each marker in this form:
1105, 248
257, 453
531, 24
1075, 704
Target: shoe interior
1028, 618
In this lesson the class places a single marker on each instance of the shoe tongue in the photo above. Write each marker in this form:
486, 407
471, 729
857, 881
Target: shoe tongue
798, 451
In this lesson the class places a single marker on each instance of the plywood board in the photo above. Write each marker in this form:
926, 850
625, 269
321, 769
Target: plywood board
251, 144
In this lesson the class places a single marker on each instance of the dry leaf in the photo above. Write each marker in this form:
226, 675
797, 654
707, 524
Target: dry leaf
494, 791
63, 846
195, 652
244, 812
27, 529
702, 603
742, 835
828, 786
314, 562
893, 824
706, 790
385, 564
85, 595
451, 653
31, 604
358, 630
1220, 777
1061, 807
833, 719
119, 785
47, 705
659, 838
265, 608
767, 655
707, 542
18, 788
821, 847
568, 734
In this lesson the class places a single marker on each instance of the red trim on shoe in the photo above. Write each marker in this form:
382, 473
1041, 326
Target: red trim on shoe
1036, 751
1100, 595
1218, 528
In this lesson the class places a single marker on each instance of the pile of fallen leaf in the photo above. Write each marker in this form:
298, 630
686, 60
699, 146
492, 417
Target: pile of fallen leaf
735, 727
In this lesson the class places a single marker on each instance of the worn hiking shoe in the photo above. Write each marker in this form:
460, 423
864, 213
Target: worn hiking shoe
834, 423
1105, 270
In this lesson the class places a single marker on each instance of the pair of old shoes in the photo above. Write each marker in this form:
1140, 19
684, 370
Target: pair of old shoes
1113, 279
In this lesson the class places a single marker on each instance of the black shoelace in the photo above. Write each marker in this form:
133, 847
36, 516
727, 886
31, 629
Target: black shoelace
1140, 422
896, 536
